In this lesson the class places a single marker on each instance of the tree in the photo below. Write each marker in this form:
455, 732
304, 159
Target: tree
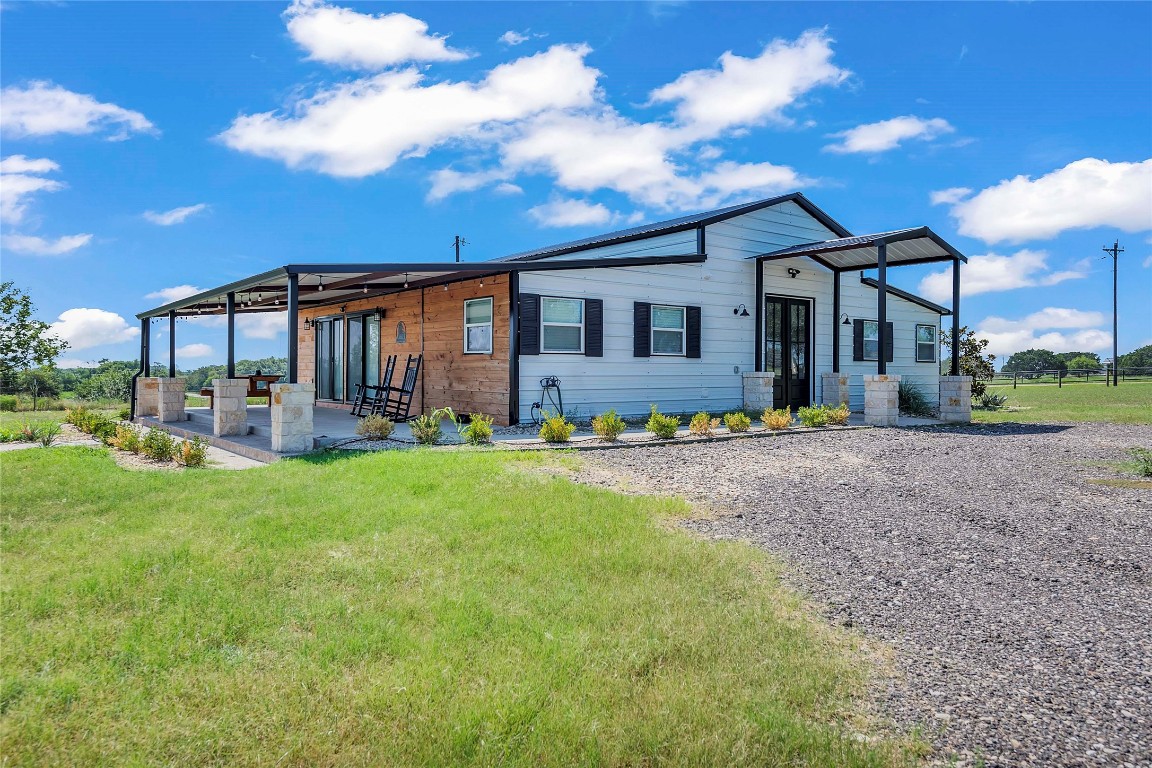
111, 380
24, 341
973, 361
1068, 357
1137, 358
38, 382
1085, 363
1035, 360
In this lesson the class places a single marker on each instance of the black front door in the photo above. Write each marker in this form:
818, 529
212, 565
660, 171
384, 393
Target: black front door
787, 350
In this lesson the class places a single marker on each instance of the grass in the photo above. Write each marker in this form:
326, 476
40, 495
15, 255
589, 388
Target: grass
1130, 403
399, 608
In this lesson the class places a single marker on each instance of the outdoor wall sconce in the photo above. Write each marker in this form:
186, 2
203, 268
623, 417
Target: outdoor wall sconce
343, 308
741, 310
307, 323
792, 272
844, 319
378, 314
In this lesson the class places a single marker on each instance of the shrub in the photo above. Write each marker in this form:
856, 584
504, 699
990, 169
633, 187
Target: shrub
127, 438
608, 426
47, 433
8, 402
816, 416
703, 425
158, 445
76, 415
478, 430
913, 401
375, 427
990, 401
556, 429
8, 435
124, 413
664, 427
1143, 458
26, 433
838, 415
426, 427
737, 422
192, 453
779, 418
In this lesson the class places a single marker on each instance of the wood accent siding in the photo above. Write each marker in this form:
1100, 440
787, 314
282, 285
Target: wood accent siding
468, 383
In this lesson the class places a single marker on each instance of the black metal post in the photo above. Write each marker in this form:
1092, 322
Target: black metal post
293, 326
759, 340
172, 344
836, 322
145, 326
230, 306
513, 348
882, 307
956, 317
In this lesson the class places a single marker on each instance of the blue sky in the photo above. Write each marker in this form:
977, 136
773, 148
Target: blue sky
148, 147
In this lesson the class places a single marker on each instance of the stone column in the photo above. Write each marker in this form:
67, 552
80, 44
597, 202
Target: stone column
758, 390
172, 399
230, 407
147, 396
881, 400
292, 417
956, 399
835, 389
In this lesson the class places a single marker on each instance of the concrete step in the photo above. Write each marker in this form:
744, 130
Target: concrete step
206, 419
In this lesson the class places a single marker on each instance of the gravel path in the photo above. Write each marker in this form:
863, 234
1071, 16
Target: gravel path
1017, 594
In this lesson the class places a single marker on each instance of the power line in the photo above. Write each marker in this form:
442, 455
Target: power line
459, 242
1115, 251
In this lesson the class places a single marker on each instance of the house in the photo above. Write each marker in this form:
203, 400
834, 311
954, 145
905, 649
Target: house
686, 313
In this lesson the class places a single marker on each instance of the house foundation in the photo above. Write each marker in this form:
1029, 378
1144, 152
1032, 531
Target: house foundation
291, 406
229, 407
956, 399
881, 400
758, 390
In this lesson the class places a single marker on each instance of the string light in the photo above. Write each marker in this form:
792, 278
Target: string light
405, 279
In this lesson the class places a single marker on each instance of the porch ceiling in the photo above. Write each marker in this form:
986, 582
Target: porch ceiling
919, 245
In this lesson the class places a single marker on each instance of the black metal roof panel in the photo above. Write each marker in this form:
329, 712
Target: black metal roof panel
918, 245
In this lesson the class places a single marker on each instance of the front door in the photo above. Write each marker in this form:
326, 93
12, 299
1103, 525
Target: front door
787, 349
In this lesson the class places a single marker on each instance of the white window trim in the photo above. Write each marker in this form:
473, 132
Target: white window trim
683, 331
935, 342
580, 325
865, 340
467, 325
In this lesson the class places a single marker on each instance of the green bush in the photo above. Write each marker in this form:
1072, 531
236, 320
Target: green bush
779, 418
556, 429
608, 426
990, 401
913, 401
158, 445
124, 413
127, 438
703, 425
838, 415
8, 402
375, 427
192, 453
478, 430
426, 427
27, 433
1143, 458
816, 416
664, 427
47, 433
737, 422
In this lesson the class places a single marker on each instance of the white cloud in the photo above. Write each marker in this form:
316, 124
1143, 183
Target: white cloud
18, 184
751, 91
570, 213
364, 41
887, 134
949, 196
1084, 194
174, 216
991, 272
194, 351
39, 246
262, 325
43, 109
1045, 330
351, 129
1148, 262
512, 37
75, 362
175, 293
447, 182
83, 328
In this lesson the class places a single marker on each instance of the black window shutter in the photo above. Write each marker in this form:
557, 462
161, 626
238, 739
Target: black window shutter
641, 329
857, 339
889, 347
593, 328
692, 343
529, 324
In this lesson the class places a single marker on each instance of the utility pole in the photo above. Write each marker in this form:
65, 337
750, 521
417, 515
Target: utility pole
1115, 250
459, 242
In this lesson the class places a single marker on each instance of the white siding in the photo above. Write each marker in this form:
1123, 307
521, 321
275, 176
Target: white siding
727, 279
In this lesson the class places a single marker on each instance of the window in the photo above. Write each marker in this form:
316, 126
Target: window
926, 344
562, 325
667, 330
871, 340
478, 326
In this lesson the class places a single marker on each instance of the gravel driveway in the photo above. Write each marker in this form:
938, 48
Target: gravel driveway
1017, 594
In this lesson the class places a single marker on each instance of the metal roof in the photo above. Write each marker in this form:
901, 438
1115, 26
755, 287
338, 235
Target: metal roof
919, 245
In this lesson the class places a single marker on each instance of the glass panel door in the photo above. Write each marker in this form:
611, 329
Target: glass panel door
330, 359
787, 349
355, 352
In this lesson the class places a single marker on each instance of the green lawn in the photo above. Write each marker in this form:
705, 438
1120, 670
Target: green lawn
400, 608
1130, 403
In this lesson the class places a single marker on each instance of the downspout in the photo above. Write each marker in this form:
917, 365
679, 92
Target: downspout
513, 348
145, 326
423, 368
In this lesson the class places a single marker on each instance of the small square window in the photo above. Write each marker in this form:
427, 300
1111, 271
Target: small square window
562, 325
926, 344
668, 334
478, 326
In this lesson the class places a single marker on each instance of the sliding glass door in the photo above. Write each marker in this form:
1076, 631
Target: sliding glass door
341, 367
330, 358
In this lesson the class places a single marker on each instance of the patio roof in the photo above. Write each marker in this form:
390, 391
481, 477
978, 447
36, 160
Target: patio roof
918, 245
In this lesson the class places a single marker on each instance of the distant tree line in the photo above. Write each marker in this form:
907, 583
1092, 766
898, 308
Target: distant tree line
1032, 360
